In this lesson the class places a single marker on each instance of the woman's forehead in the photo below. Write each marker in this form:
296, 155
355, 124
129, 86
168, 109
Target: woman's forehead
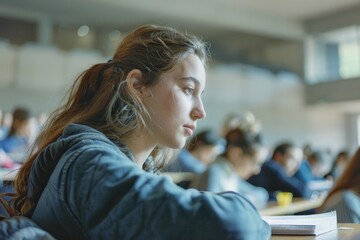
190, 68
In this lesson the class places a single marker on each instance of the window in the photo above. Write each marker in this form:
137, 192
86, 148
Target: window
333, 55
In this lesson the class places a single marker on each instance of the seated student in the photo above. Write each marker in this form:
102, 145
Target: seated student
199, 153
229, 172
320, 164
86, 179
344, 197
313, 168
338, 165
231, 121
17, 141
311, 172
277, 173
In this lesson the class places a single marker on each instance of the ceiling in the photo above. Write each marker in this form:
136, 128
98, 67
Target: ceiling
274, 18
230, 25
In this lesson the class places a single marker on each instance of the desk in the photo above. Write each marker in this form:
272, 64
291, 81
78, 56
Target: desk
340, 234
298, 205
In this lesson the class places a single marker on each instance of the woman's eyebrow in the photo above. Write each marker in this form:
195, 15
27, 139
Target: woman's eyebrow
195, 80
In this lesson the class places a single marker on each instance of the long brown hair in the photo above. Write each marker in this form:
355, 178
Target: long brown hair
100, 97
350, 178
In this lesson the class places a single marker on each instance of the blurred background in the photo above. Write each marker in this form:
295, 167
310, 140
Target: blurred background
294, 64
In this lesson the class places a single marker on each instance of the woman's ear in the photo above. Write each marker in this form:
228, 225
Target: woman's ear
134, 81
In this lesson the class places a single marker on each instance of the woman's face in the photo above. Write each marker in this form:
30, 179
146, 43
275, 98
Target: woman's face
251, 165
25, 127
175, 102
292, 160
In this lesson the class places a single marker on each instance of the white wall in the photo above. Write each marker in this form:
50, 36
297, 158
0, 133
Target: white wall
276, 100
39, 76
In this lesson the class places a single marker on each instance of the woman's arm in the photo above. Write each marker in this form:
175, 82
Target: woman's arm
113, 199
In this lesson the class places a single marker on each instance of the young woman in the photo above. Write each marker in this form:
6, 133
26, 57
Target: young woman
230, 170
86, 180
345, 195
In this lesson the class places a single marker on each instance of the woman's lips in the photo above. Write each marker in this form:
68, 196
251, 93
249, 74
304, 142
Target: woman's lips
189, 129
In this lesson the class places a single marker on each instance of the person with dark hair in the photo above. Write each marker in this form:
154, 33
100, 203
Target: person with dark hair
18, 139
199, 153
277, 173
229, 172
311, 172
90, 175
338, 165
311, 169
344, 197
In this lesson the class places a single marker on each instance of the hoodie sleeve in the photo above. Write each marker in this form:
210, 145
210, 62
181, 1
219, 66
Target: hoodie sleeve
114, 199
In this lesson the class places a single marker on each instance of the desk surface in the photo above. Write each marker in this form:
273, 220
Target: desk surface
298, 205
345, 231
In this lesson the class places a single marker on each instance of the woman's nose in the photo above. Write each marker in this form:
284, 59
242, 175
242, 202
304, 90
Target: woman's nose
198, 111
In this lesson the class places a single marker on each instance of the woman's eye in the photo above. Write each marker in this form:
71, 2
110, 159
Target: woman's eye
189, 91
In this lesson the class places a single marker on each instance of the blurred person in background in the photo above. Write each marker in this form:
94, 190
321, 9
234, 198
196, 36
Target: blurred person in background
338, 165
199, 153
242, 158
307, 150
231, 121
320, 164
314, 167
344, 197
245, 121
18, 139
312, 170
277, 173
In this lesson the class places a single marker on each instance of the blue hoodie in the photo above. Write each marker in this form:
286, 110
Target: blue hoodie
96, 191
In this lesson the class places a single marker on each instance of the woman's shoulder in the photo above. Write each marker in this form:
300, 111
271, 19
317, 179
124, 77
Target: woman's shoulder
84, 148
83, 135
83, 138
97, 153
89, 155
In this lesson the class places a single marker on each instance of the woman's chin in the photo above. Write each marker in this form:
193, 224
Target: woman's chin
177, 144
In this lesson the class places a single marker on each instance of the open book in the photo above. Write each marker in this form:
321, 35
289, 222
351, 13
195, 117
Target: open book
313, 224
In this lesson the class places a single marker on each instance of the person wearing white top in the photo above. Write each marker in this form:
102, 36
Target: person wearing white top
230, 171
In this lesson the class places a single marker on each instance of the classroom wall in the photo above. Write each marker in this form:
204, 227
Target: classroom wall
39, 77
278, 101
